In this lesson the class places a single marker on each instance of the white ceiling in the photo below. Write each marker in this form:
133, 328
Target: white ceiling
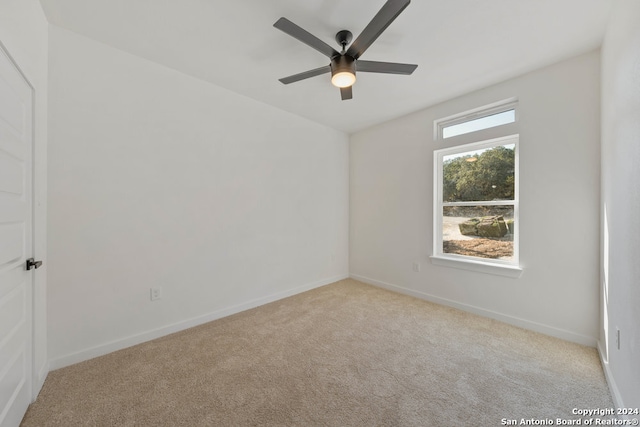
459, 46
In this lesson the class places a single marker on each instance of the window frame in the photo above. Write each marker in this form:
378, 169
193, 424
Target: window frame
485, 265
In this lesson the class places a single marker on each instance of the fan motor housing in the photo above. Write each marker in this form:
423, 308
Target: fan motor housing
341, 64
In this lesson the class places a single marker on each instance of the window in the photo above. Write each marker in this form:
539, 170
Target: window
485, 122
476, 201
489, 116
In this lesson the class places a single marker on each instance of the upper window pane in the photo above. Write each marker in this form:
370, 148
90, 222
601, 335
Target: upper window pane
479, 175
480, 123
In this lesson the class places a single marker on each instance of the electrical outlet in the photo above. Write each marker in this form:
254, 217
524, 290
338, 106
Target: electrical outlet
156, 293
618, 338
416, 267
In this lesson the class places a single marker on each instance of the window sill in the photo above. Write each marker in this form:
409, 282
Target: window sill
479, 266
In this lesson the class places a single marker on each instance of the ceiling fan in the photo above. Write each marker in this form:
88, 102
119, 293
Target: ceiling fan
344, 64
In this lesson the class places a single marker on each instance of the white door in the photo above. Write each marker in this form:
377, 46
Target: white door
16, 305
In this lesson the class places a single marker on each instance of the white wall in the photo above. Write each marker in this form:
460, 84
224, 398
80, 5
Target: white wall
621, 201
159, 179
391, 205
23, 32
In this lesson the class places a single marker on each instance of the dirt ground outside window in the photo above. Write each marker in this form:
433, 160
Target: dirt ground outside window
454, 242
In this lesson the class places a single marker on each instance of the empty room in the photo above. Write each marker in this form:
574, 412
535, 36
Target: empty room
330, 212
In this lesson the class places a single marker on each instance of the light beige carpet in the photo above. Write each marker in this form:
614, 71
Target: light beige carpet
346, 354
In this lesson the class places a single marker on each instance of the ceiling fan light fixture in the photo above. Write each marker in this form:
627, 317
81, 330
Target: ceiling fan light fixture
343, 63
343, 71
343, 79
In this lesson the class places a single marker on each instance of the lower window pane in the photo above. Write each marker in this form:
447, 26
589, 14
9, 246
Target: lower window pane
478, 231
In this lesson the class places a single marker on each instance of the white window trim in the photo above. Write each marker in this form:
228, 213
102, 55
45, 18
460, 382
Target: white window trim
483, 265
474, 264
476, 113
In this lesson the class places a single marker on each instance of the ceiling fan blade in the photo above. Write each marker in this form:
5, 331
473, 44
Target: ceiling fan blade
379, 23
385, 67
305, 37
346, 93
306, 74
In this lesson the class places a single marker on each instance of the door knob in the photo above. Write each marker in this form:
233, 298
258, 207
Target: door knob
31, 263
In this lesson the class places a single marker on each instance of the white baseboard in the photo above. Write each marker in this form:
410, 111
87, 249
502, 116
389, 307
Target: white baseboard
516, 321
132, 340
615, 392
